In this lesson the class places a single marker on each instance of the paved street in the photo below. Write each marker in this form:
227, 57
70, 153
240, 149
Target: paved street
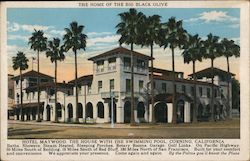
32, 129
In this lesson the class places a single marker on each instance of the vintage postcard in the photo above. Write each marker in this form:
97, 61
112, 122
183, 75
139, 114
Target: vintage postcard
125, 80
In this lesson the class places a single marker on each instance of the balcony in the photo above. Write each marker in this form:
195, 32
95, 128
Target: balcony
112, 68
99, 70
108, 94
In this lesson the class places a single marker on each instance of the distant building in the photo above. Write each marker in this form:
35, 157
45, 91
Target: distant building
112, 78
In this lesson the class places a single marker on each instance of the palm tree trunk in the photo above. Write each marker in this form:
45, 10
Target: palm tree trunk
21, 98
195, 97
55, 109
152, 85
132, 119
212, 99
229, 108
76, 86
174, 89
38, 89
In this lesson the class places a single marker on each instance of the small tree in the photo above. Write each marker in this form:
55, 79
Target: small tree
128, 29
192, 53
55, 52
75, 39
20, 62
38, 43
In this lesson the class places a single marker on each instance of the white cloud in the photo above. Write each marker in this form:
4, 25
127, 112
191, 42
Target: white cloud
57, 32
13, 27
107, 39
18, 37
93, 34
214, 16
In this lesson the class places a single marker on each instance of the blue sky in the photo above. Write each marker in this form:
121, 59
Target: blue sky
100, 26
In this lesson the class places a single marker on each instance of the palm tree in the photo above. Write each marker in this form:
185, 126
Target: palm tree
75, 39
128, 29
192, 53
173, 36
229, 49
38, 43
20, 62
55, 52
149, 35
211, 51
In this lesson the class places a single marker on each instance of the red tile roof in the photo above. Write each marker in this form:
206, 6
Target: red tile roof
119, 50
83, 79
182, 80
208, 73
49, 84
33, 73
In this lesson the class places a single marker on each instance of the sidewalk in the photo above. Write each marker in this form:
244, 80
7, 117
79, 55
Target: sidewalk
230, 124
84, 125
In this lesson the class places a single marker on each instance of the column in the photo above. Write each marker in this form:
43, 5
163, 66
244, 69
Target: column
120, 111
150, 112
186, 112
94, 112
74, 111
106, 112
170, 112
45, 117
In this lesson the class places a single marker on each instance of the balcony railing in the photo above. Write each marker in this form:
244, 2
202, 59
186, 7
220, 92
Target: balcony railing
108, 94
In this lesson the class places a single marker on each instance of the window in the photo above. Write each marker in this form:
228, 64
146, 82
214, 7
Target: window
10, 93
164, 87
32, 81
112, 63
51, 92
79, 88
99, 86
89, 88
154, 84
100, 66
140, 64
183, 88
127, 63
192, 90
112, 84
141, 85
200, 91
33, 95
44, 80
27, 94
215, 92
208, 92
128, 85
68, 92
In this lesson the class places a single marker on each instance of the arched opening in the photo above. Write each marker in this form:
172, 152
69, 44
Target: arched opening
208, 111
200, 112
140, 110
28, 113
48, 112
89, 110
17, 112
216, 112
161, 112
70, 111
127, 112
191, 112
80, 110
34, 113
180, 111
100, 110
59, 110
114, 111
